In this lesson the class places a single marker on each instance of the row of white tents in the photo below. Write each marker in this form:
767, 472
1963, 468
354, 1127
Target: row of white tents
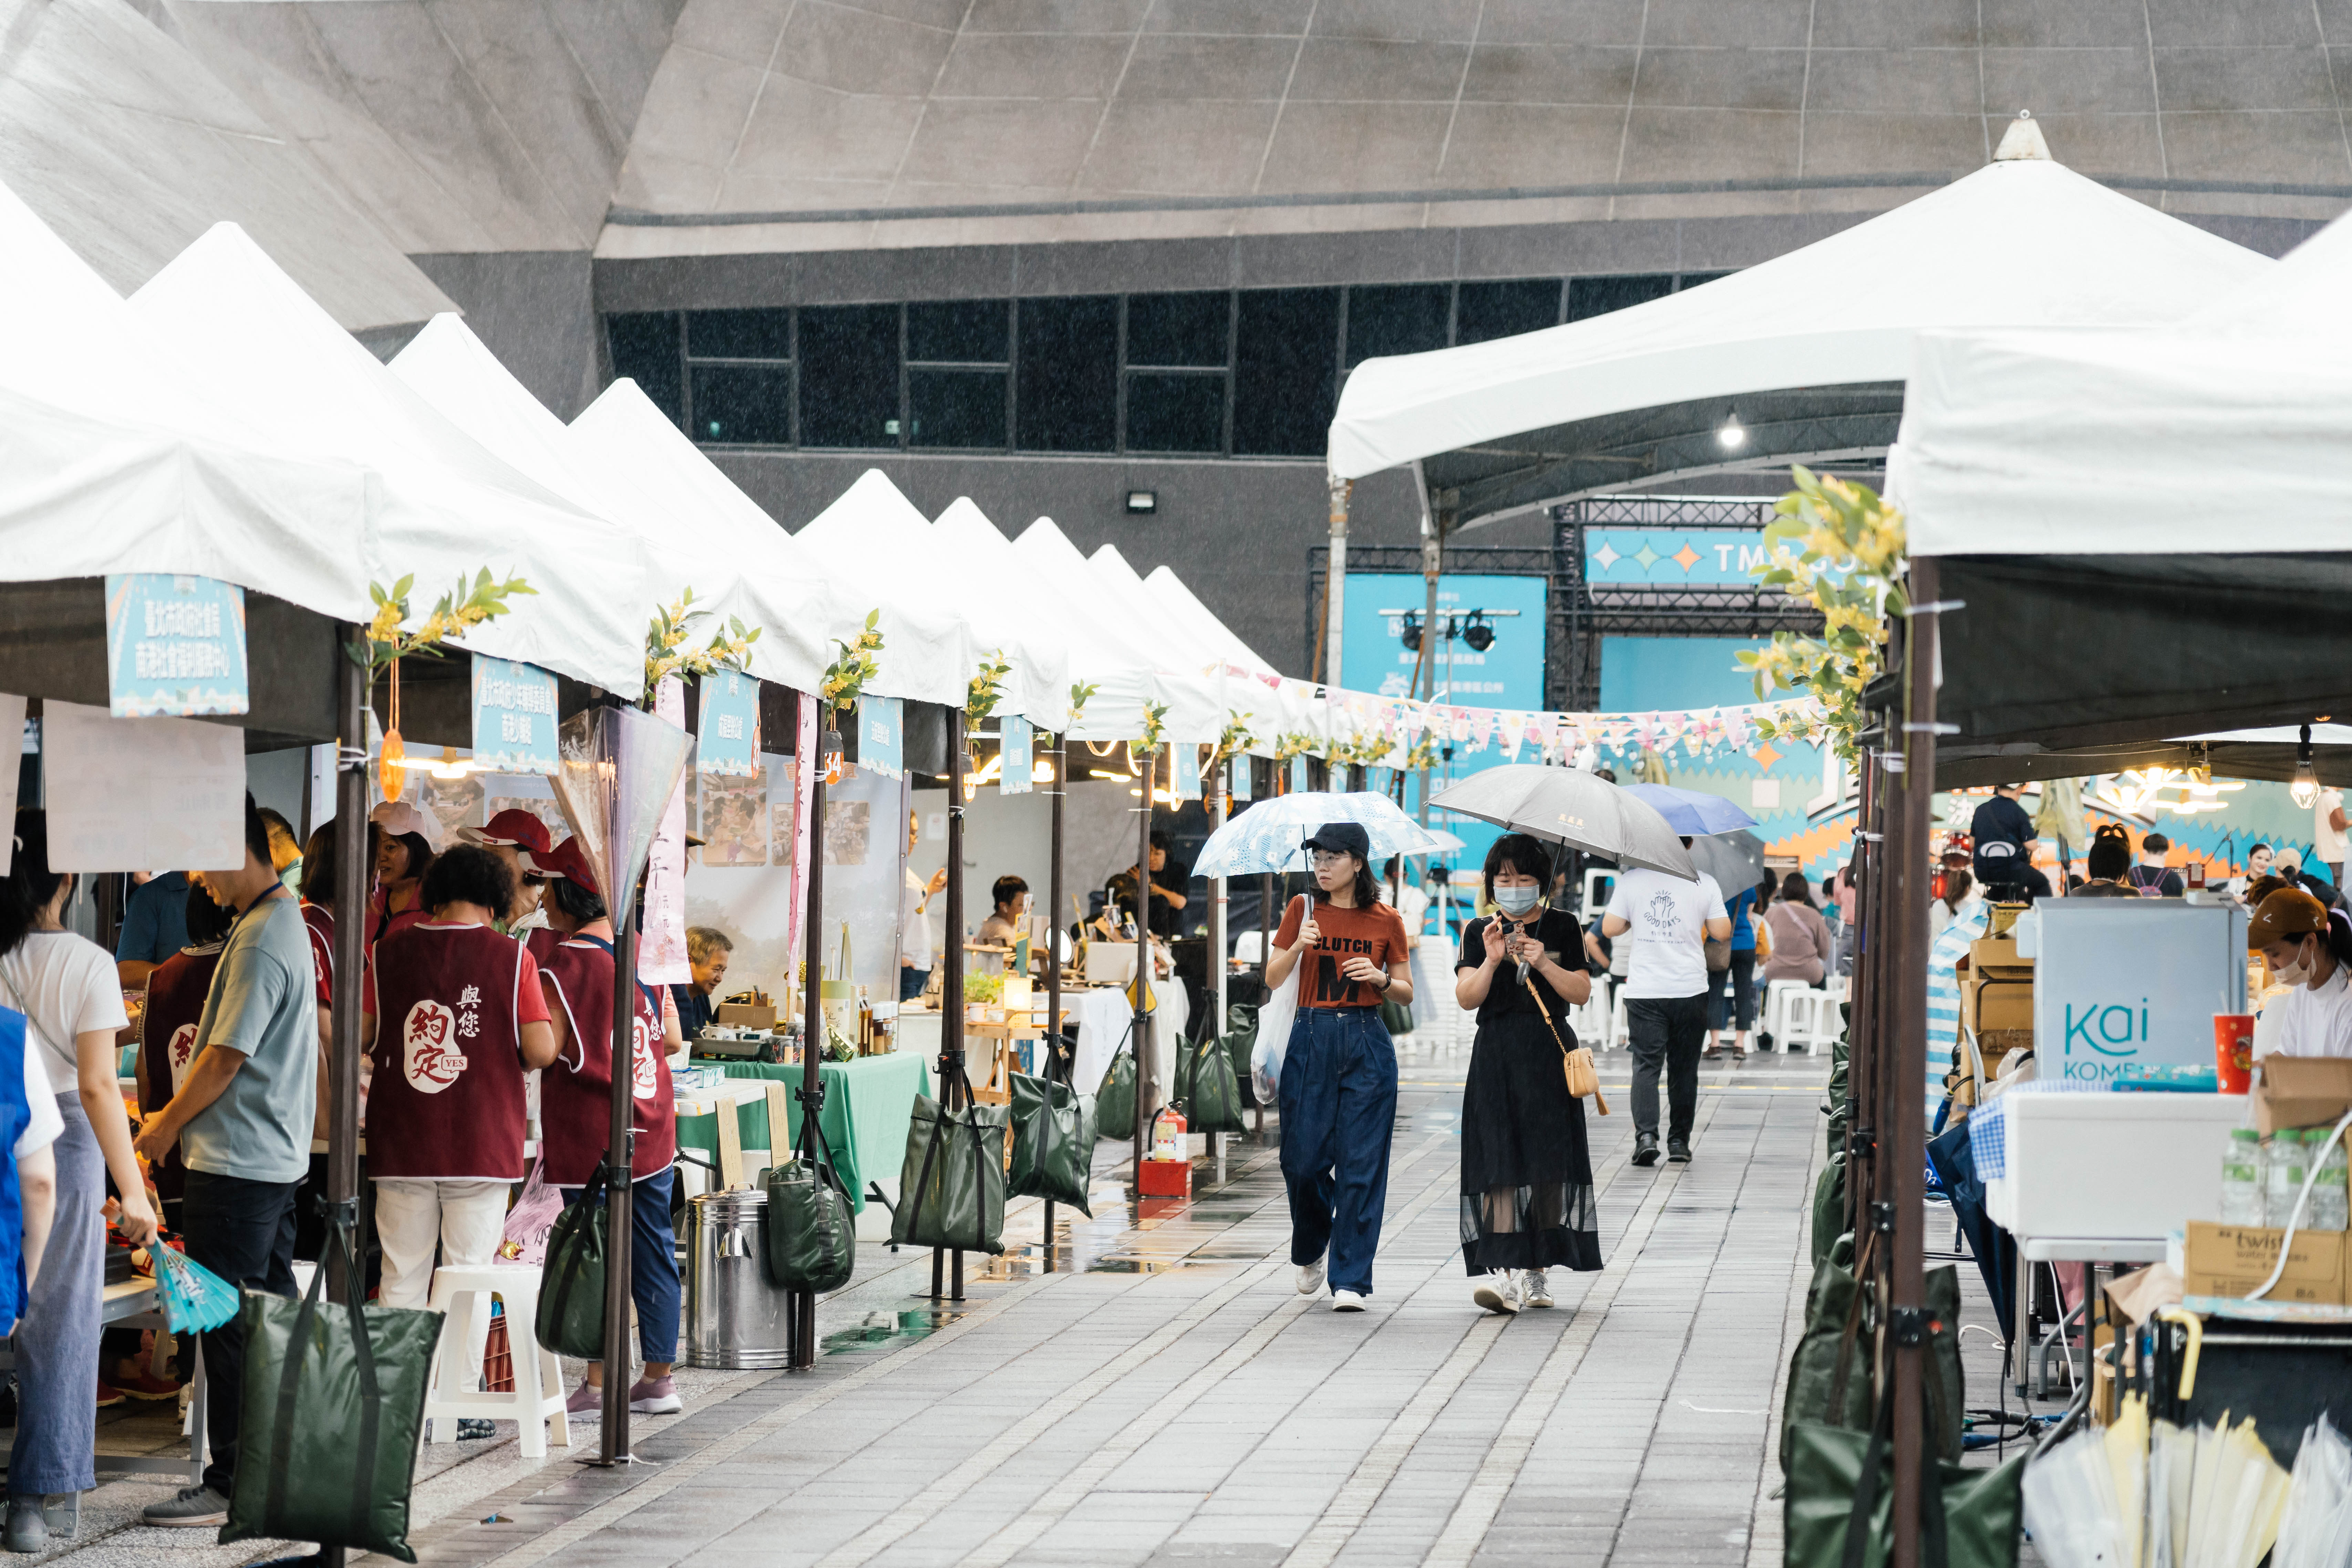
219, 422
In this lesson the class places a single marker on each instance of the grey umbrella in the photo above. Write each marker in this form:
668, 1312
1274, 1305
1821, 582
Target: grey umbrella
1734, 859
1567, 805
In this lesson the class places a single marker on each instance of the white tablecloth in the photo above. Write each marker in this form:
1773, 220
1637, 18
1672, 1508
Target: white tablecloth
1104, 1018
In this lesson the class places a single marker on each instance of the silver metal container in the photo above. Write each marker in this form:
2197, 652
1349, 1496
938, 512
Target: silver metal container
735, 1316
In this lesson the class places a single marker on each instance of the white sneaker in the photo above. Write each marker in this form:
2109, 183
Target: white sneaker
1310, 1277
1533, 1291
1494, 1293
1346, 1301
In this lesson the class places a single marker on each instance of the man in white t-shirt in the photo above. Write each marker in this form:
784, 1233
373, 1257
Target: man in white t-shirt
915, 947
2327, 833
1668, 921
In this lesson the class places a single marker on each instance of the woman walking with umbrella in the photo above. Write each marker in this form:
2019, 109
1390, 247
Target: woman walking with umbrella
1527, 1172
1337, 1087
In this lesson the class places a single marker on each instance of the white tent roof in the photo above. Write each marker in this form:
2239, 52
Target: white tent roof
2225, 433
930, 649
2022, 242
458, 375
447, 508
110, 459
1180, 602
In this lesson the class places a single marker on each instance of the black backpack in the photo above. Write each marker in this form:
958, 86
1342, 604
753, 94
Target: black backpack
2001, 860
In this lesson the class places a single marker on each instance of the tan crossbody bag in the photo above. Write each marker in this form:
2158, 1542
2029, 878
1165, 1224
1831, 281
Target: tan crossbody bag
1583, 1078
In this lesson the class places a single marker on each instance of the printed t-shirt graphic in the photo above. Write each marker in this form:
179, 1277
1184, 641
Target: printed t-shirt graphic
447, 1101
575, 1095
1376, 933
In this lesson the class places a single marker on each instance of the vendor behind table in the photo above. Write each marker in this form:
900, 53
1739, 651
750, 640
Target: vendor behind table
2309, 949
707, 952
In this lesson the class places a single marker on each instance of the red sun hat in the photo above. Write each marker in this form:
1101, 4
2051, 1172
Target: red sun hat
516, 828
566, 861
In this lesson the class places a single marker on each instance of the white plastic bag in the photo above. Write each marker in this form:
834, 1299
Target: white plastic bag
523, 1239
1273, 1022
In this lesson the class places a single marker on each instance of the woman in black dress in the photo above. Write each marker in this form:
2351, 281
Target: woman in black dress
1526, 1175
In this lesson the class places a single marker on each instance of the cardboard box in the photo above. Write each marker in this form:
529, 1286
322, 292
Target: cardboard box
2301, 1091
1989, 1005
2234, 1259
1996, 956
744, 1016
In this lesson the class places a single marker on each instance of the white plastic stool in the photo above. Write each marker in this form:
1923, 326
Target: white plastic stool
1776, 997
1590, 1020
1621, 1031
1249, 947
1812, 1020
450, 1392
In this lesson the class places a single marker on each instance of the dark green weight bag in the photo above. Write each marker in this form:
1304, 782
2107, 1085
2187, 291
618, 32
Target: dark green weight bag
1211, 1096
571, 1319
334, 1401
812, 1229
1115, 1100
1052, 1143
952, 1187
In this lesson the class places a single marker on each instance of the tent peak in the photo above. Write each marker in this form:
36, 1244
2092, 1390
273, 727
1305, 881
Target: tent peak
2022, 141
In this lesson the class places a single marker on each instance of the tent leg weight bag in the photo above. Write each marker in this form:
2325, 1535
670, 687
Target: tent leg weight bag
951, 1186
1052, 1143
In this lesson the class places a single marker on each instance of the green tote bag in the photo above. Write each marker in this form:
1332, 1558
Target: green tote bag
1052, 1143
951, 1186
1115, 1100
812, 1230
334, 1403
1212, 1096
571, 1318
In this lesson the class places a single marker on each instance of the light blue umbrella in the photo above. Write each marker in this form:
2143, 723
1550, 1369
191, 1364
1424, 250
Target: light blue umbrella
1268, 835
1694, 814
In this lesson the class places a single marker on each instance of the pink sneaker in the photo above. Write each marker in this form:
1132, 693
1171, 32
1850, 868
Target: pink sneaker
656, 1396
586, 1400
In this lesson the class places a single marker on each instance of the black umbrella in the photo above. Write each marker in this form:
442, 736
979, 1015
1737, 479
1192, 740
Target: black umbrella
1571, 806
1736, 859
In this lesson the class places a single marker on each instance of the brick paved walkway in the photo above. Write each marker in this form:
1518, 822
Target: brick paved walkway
1164, 1395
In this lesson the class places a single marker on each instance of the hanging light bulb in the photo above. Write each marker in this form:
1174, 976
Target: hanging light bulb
1732, 435
2304, 790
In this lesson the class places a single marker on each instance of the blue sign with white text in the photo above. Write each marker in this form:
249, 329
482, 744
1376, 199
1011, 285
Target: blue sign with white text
881, 736
1020, 755
1188, 770
175, 646
514, 717
727, 738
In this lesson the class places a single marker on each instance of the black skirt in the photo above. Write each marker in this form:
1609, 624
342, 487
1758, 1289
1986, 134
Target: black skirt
1527, 1172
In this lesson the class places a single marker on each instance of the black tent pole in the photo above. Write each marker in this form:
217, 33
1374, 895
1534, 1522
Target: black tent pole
349, 872
1055, 1069
620, 1195
955, 1087
804, 1302
1147, 1077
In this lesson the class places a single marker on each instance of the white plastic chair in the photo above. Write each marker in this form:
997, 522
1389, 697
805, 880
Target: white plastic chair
1590, 1020
538, 1394
1620, 1030
1249, 947
1775, 1022
1812, 1021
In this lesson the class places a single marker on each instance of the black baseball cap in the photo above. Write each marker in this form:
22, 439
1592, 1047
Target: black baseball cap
1348, 835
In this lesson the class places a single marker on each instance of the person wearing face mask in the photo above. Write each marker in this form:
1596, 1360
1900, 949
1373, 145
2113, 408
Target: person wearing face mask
1527, 1172
2309, 950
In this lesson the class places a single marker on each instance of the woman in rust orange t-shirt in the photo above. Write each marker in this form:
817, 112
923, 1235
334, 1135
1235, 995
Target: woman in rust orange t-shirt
1339, 1084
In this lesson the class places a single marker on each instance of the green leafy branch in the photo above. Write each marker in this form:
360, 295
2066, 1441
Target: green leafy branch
1155, 720
1235, 739
1081, 693
1838, 547
666, 652
460, 610
987, 688
845, 677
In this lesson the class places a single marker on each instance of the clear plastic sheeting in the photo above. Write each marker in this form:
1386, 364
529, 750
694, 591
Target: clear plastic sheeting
617, 768
2315, 1530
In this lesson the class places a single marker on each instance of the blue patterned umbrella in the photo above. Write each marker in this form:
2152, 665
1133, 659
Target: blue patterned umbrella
1267, 836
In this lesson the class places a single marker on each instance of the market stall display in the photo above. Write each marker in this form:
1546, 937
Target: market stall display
867, 1104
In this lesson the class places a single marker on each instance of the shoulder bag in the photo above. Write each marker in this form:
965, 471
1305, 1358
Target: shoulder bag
1583, 1078
1273, 1022
571, 1318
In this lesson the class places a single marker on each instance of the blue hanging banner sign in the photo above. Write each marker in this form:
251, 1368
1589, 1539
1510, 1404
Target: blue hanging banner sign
1188, 770
1298, 780
174, 646
1020, 756
881, 736
514, 718
1238, 769
727, 739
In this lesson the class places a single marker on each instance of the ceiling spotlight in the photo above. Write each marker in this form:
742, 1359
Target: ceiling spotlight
2304, 790
1412, 632
1480, 633
1733, 435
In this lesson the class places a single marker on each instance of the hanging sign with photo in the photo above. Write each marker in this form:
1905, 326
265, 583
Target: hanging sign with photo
174, 646
514, 718
727, 728
1020, 755
881, 736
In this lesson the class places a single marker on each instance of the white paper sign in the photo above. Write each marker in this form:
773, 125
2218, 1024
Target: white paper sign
661, 944
140, 794
12, 743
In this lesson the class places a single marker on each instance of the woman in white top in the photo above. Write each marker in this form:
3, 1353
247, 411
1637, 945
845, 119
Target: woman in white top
2311, 951
67, 987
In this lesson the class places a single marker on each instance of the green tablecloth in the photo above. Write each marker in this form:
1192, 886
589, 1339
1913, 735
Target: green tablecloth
869, 1103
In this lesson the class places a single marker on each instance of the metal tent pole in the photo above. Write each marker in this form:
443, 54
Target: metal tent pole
350, 871
1056, 1071
1217, 965
803, 1307
955, 1089
1146, 1076
620, 1195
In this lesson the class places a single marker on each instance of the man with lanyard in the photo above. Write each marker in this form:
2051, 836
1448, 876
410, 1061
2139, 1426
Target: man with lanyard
576, 1115
243, 1116
521, 841
453, 1016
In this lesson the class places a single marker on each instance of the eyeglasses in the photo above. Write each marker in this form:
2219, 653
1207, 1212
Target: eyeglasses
1322, 859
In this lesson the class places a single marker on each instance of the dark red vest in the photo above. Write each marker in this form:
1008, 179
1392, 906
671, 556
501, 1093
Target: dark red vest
575, 1095
321, 923
447, 1097
167, 1039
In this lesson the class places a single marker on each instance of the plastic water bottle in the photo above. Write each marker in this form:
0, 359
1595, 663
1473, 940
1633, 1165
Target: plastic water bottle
2331, 1206
2285, 1159
2242, 1178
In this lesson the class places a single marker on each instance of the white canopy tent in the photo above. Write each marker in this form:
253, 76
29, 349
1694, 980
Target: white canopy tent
454, 371
1194, 712
930, 649
1178, 600
2022, 242
447, 508
114, 458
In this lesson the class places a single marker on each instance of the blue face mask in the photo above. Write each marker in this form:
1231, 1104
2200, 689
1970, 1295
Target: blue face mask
1517, 901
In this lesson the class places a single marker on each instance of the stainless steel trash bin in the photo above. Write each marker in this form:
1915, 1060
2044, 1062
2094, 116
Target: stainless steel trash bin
736, 1315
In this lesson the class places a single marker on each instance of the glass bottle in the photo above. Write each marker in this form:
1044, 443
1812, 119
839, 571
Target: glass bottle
2331, 1206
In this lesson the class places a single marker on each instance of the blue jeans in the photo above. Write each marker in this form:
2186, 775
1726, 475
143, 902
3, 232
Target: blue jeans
1338, 1101
911, 983
652, 1264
